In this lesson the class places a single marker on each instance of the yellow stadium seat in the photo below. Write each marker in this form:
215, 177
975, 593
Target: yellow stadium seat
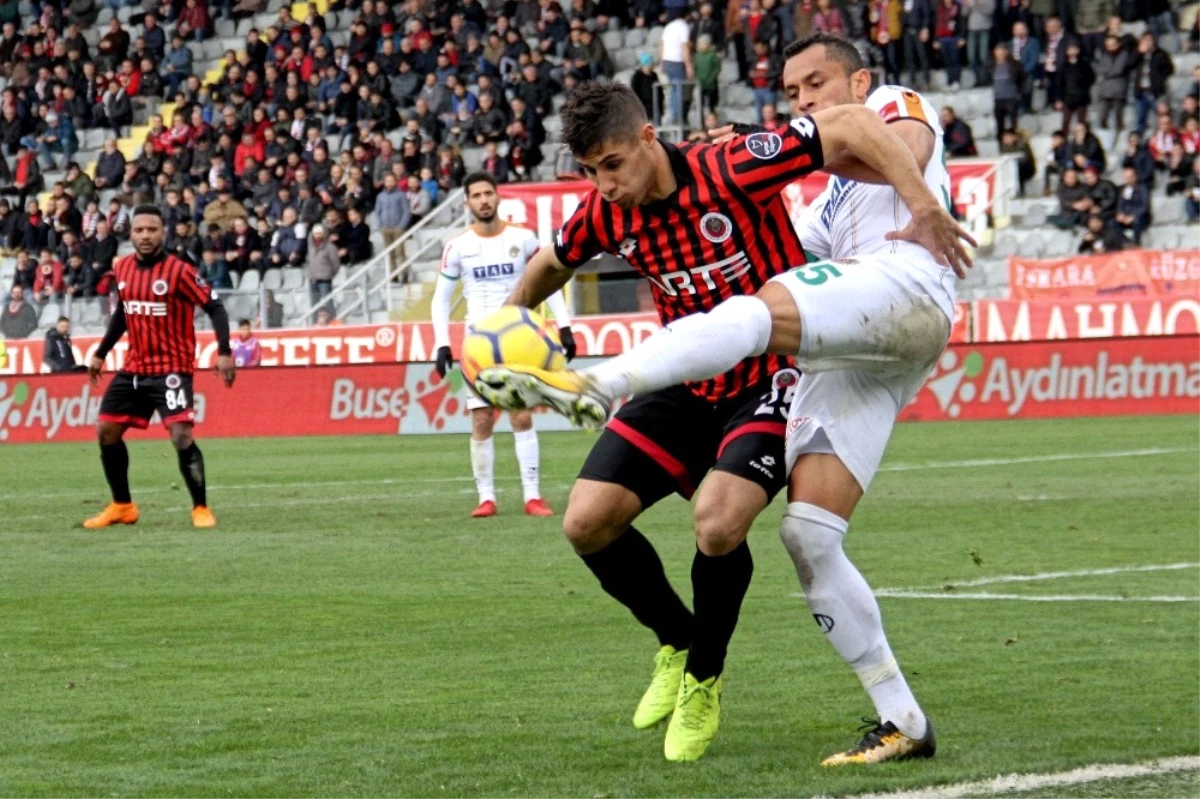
299, 11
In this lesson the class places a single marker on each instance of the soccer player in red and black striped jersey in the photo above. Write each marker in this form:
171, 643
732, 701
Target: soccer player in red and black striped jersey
157, 296
703, 223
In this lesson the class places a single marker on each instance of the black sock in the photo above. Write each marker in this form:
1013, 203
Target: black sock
719, 585
630, 571
191, 466
115, 458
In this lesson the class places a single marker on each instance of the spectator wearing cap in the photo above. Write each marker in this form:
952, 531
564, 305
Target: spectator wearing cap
646, 86
59, 137
321, 264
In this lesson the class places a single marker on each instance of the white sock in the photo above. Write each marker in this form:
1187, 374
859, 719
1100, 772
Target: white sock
846, 610
483, 458
526, 443
695, 347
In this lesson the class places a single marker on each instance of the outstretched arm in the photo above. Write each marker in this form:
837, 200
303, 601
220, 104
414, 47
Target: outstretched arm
857, 131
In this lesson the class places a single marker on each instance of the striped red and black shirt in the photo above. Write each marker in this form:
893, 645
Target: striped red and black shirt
725, 231
159, 301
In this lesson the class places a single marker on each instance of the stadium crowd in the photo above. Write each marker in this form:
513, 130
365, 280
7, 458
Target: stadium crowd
280, 161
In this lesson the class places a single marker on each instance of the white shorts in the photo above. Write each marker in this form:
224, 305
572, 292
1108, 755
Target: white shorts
872, 329
475, 402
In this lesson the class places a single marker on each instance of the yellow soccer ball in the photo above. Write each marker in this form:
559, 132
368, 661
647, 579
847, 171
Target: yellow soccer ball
513, 336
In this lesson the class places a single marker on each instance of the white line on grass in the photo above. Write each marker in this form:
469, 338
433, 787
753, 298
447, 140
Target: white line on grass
952, 592
1020, 783
893, 467
1062, 456
1030, 578
895, 593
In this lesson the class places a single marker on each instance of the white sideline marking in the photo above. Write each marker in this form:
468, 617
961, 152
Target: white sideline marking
954, 593
1030, 578
892, 593
1062, 456
894, 467
1019, 783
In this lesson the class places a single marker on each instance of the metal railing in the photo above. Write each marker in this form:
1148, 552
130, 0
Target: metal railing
378, 272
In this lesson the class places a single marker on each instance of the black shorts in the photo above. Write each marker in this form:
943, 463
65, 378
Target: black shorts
133, 399
665, 442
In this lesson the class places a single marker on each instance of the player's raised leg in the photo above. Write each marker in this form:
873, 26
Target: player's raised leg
115, 459
822, 495
525, 440
191, 466
483, 456
693, 348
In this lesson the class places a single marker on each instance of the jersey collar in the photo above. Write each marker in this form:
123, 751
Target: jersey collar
683, 177
152, 261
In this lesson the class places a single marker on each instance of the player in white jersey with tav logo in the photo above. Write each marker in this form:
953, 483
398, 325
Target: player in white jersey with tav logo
866, 324
487, 259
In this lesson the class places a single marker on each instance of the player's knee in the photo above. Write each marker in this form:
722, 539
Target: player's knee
108, 433
592, 525
181, 436
720, 529
482, 422
809, 539
521, 421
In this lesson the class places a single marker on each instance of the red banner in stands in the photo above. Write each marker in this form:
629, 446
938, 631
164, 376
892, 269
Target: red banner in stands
988, 381
1096, 377
1098, 317
1147, 273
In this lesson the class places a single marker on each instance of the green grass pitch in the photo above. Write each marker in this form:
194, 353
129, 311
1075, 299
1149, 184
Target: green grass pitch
348, 631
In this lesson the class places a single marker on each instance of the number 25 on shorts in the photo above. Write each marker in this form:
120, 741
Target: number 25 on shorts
816, 273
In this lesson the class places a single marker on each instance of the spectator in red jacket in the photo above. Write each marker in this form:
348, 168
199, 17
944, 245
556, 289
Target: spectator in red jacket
48, 279
248, 148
